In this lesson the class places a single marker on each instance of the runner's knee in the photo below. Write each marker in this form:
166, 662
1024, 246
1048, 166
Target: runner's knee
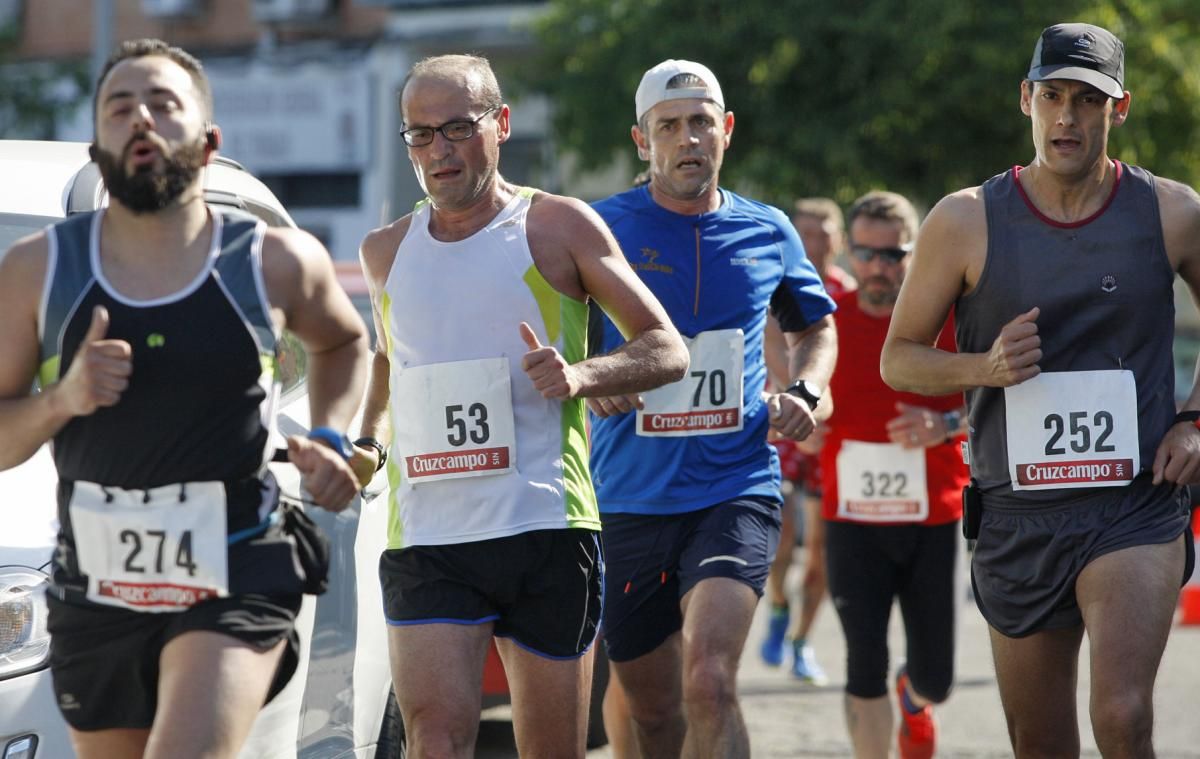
1121, 721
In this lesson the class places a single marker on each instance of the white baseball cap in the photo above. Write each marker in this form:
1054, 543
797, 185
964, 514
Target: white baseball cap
653, 89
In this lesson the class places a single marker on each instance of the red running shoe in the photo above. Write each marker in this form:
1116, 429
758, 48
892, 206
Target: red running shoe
917, 736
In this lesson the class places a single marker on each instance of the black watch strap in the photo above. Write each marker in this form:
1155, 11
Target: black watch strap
1187, 416
805, 391
370, 442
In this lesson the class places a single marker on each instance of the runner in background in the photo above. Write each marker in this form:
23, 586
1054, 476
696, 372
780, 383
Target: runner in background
821, 228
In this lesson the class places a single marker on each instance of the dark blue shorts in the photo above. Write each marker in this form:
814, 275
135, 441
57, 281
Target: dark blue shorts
653, 561
539, 588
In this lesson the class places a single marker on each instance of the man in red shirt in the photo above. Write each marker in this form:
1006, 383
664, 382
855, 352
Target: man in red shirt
892, 500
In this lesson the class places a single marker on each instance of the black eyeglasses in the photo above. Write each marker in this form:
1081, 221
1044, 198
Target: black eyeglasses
867, 254
455, 131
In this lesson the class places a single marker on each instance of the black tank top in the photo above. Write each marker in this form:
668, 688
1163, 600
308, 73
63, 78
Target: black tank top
201, 398
1104, 286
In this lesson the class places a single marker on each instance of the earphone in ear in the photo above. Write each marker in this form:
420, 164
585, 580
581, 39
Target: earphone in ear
210, 136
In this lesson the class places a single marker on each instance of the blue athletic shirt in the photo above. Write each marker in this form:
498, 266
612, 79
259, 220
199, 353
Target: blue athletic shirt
718, 270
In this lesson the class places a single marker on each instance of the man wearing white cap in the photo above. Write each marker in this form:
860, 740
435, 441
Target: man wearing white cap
687, 485
1061, 274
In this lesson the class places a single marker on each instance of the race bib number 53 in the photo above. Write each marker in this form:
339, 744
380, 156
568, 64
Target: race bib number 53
1072, 430
458, 420
708, 400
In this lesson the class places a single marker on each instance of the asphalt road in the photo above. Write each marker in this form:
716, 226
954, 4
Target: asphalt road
789, 720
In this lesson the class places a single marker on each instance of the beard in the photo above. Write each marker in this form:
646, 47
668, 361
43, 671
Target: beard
145, 191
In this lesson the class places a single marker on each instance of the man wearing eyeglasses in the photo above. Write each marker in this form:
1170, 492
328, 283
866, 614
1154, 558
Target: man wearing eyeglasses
480, 298
1061, 275
689, 487
891, 503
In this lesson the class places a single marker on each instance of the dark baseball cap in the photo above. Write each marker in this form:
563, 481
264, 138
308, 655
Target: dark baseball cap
1081, 52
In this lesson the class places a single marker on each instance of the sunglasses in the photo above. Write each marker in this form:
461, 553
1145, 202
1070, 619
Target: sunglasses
866, 254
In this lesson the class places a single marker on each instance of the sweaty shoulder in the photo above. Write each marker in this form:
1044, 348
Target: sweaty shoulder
1179, 210
953, 238
294, 265
23, 270
561, 231
378, 249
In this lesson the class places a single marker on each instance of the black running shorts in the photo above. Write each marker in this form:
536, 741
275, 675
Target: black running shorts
104, 660
540, 588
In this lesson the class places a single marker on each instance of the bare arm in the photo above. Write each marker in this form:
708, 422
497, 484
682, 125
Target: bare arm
301, 284
654, 353
97, 375
775, 354
1178, 456
949, 257
377, 253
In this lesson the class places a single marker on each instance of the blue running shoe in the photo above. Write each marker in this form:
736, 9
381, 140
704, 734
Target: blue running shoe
804, 665
772, 645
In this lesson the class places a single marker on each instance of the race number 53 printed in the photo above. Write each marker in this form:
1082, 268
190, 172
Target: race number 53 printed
708, 400
1072, 430
150, 550
881, 482
457, 419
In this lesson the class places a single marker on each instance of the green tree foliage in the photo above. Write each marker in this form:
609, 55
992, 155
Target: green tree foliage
34, 95
835, 97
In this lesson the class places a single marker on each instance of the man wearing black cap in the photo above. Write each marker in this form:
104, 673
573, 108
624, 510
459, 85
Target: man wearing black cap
1061, 275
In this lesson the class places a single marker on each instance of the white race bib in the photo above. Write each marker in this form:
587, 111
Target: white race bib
458, 420
881, 482
1072, 430
150, 550
708, 400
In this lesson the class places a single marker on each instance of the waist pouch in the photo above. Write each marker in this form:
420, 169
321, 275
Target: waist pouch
291, 557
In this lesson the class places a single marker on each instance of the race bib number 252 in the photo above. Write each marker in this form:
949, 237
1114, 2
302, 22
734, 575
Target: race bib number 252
1072, 430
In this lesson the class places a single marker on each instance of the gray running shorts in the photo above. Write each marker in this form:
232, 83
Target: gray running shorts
1026, 559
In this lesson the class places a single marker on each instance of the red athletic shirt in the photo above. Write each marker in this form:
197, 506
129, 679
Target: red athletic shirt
863, 405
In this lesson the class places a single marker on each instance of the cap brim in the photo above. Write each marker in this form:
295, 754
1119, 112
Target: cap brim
1102, 82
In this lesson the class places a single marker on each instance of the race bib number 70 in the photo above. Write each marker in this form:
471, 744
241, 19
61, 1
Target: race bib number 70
1072, 430
708, 400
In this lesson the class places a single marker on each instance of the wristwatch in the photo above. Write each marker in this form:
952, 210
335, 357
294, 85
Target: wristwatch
807, 391
952, 419
334, 439
370, 442
1187, 416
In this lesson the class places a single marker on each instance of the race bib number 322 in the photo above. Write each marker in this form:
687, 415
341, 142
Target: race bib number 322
1072, 430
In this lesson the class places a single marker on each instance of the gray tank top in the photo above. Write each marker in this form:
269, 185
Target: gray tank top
1104, 286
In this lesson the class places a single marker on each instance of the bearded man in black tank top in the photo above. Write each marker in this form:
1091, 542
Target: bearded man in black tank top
1061, 274
152, 326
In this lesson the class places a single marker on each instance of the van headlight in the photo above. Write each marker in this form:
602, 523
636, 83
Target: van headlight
24, 641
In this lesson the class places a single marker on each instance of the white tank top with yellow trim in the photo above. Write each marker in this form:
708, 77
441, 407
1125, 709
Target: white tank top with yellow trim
476, 451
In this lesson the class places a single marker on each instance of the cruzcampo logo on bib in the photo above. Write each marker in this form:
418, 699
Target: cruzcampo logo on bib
1072, 430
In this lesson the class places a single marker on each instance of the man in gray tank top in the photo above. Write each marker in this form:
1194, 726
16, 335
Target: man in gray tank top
1061, 274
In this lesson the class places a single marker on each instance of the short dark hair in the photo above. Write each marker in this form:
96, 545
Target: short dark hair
146, 47
886, 206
